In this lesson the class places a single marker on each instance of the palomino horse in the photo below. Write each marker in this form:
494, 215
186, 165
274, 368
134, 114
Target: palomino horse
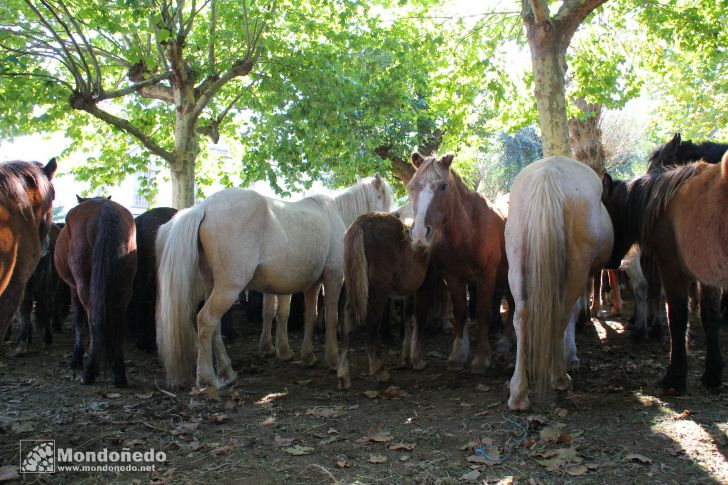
240, 239
26, 196
677, 216
141, 306
466, 235
379, 263
558, 234
96, 256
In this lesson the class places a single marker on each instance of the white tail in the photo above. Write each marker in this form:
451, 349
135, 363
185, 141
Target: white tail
544, 278
180, 288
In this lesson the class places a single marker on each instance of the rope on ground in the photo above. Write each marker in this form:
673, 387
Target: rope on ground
501, 459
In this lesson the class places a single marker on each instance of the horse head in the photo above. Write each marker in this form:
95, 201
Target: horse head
428, 191
381, 196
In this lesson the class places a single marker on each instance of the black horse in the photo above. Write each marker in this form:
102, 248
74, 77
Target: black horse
141, 309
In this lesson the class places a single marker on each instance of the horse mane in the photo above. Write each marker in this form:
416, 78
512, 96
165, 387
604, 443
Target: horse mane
16, 178
651, 193
679, 152
354, 201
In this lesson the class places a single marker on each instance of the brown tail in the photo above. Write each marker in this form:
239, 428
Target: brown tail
356, 274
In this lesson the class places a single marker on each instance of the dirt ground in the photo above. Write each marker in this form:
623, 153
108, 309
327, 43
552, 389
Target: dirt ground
282, 423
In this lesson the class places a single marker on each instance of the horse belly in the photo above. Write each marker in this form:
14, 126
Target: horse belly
703, 248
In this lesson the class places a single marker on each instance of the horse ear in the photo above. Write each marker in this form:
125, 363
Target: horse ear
79, 198
606, 183
377, 180
417, 159
108, 198
447, 159
50, 168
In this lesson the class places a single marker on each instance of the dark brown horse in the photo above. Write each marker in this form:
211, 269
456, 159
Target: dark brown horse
468, 245
379, 263
26, 196
45, 293
678, 216
141, 307
96, 256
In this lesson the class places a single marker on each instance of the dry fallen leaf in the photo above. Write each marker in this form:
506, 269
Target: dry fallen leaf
470, 476
682, 415
342, 463
298, 450
479, 460
482, 413
637, 457
278, 441
326, 412
145, 395
592, 466
577, 470
561, 412
551, 433
377, 458
394, 392
224, 449
402, 446
111, 395
557, 458
217, 418
371, 394
482, 388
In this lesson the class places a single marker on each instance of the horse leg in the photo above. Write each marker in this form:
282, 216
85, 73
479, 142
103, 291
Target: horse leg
310, 311
616, 292
655, 305
572, 361
484, 290
265, 343
220, 300
461, 342
25, 330
710, 316
518, 399
80, 322
639, 288
417, 334
408, 322
374, 349
283, 349
676, 291
507, 336
596, 304
332, 289
342, 372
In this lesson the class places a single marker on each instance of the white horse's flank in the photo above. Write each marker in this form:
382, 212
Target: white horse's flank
240, 239
558, 233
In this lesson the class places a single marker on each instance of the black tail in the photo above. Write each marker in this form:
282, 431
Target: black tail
106, 264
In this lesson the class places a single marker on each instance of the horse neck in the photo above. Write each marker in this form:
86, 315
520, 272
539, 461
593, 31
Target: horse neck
457, 207
352, 203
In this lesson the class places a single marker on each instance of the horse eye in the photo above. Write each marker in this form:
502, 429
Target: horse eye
443, 187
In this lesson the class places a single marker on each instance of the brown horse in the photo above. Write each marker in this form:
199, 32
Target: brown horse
678, 215
466, 236
26, 196
379, 263
96, 256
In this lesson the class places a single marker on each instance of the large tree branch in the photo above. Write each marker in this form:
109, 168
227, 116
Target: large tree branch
400, 168
241, 68
571, 14
148, 88
41, 76
540, 11
84, 104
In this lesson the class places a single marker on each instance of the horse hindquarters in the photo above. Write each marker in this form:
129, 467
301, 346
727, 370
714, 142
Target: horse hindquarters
179, 289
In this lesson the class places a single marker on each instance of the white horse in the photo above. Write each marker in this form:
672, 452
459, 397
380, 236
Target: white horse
240, 239
558, 233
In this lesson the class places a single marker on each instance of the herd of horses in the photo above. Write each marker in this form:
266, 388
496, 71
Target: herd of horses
178, 273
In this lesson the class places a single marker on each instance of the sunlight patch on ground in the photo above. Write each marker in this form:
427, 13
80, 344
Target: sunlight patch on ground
692, 442
269, 398
604, 327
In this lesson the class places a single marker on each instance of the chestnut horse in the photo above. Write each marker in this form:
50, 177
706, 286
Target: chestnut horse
379, 263
678, 217
558, 235
466, 236
239, 239
26, 196
96, 256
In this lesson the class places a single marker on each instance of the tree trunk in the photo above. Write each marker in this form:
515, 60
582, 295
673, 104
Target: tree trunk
183, 183
585, 136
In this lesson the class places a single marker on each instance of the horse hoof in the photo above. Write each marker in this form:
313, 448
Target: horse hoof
332, 362
266, 350
228, 378
454, 365
711, 379
573, 364
638, 333
673, 385
344, 382
562, 383
419, 364
308, 360
284, 354
382, 375
518, 404
479, 365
